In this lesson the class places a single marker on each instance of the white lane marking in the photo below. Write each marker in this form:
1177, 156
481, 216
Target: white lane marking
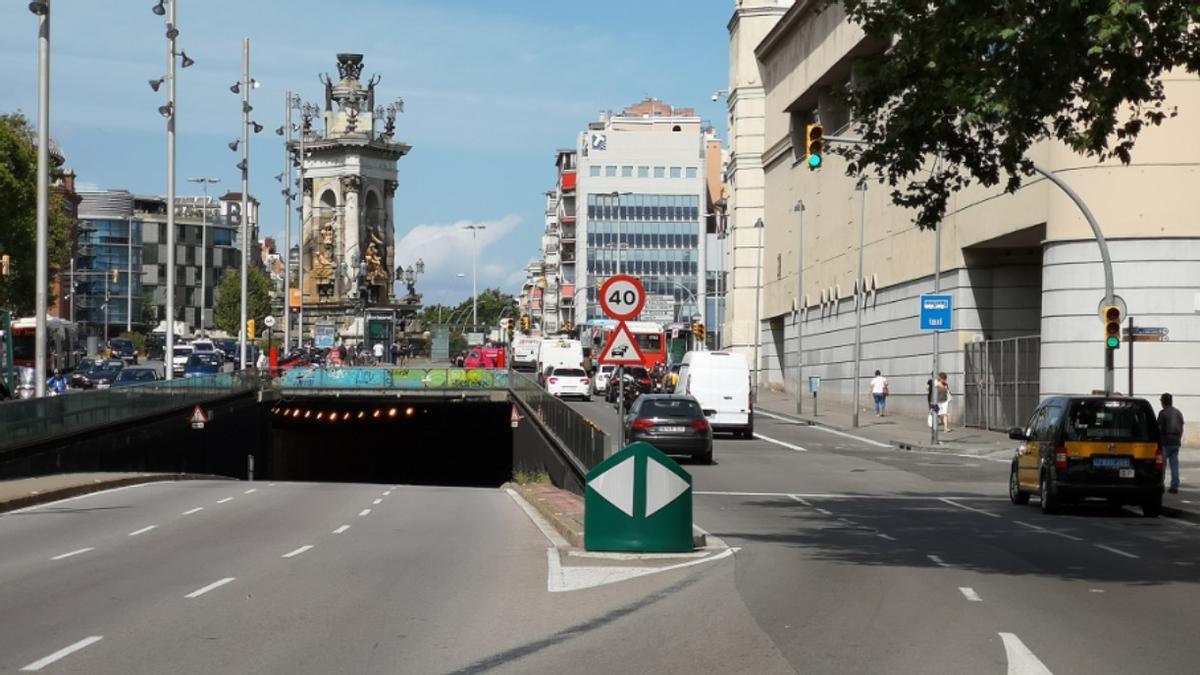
547, 530
62, 653
1117, 551
71, 499
270, 485
1021, 661
1044, 530
827, 430
227, 499
341, 529
144, 530
60, 556
572, 578
250, 491
837, 495
1096, 590
377, 502
801, 500
885, 536
191, 511
951, 502
214, 585
789, 446
293, 554
364, 512
824, 512
970, 594
388, 493
937, 561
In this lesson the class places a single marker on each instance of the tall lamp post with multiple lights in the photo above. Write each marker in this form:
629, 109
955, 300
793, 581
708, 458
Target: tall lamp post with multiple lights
243, 87
42, 10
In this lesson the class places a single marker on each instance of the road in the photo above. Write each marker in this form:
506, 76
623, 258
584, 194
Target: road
860, 558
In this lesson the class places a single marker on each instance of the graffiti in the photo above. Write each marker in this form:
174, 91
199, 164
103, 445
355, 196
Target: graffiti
395, 378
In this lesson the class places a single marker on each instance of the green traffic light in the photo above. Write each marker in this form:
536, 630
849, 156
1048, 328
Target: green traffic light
1113, 342
814, 161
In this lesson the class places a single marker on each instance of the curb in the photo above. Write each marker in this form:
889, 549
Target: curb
88, 488
569, 527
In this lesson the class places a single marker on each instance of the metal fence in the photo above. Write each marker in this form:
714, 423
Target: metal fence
1001, 381
580, 436
41, 419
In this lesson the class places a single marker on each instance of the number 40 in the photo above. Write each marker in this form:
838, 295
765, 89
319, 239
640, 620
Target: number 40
627, 297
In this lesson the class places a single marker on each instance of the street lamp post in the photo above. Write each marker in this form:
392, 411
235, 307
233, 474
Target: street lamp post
860, 299
243, 87
758, 225
474, 276
803, 307
286, 178
204, 248
129, 274
42, 10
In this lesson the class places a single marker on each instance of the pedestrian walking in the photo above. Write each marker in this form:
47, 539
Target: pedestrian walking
377, 352
879, 391
395, 350
943, 401
1170, 434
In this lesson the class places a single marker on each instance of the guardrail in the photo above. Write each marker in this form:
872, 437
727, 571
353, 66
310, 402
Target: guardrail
41, 419
580, 437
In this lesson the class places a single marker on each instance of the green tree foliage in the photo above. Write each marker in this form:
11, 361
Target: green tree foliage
149, 312
18, 215
492, 302
227, 308
978, 83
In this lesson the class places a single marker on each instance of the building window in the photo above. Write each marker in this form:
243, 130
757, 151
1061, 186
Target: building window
676, 172
594, 171
660, 172
643, 172
610, 171
691, 172
627, 172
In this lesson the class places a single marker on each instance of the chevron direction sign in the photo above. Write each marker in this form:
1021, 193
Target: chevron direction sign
639, 500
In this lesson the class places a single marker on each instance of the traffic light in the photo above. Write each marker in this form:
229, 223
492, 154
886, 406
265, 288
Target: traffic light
814, 145
250, 329
698, 331
1112, 326
116, 276
525, 323
5, 265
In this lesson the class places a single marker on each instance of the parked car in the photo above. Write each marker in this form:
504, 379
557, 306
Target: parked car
124, 349
131, 376
676, 425
1089, 446
720, 381
600, 381
565, 382
101, 375
76, 379
180, 357
203, 363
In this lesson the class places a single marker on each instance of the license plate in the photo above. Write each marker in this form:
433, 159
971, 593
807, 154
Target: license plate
1110, 462
671, 429
1126, 473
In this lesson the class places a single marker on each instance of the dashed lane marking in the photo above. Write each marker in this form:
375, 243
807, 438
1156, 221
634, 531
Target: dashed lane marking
191, 511
839, 495
1117, 551
1021, 661
885, 536
1044, 530
341, 529
970, 594
951, 502
144, 530
937, 561
377, 502
293, 554
800, 499
227, 499
823, 512
780, 443
204, 589
250, 491
827, 430
62, 653
364, 512
68, 554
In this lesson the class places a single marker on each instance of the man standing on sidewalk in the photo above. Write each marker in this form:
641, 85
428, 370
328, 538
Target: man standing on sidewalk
1170, 434
879, 391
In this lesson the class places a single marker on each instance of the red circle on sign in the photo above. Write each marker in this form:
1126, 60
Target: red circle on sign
618, 310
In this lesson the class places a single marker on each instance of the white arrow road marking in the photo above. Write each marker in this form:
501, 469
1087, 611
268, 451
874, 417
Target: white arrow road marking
561, 579
62, 653
216, 584
662, 486
616, 486
1021, 661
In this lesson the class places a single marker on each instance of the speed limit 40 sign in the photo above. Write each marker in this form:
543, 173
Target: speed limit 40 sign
622, 297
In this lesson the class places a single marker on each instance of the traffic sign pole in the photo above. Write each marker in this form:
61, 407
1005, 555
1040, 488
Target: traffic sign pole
621, 298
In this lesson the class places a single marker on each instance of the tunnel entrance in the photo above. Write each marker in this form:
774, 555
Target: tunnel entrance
461, 443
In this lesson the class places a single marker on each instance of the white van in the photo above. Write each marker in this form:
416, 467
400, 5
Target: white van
525, 352
720, 381
558, 353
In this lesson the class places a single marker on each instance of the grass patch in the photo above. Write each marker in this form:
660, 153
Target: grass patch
528, 478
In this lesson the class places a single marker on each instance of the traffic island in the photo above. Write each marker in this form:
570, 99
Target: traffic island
562, 509
25, 492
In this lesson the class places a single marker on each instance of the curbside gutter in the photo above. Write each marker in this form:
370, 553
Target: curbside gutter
66, 492
562, 509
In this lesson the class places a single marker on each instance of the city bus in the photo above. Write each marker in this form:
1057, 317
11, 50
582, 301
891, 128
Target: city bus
649, 336
62, 343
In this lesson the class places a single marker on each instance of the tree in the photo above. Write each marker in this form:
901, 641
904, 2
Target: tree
227, 312
492, 303
18, 215
149, 312
976, 84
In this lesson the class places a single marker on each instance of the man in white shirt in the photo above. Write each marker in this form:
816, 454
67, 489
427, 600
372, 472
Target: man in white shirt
879, 391
377, 350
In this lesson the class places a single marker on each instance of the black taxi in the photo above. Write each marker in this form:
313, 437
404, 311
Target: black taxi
1076, 447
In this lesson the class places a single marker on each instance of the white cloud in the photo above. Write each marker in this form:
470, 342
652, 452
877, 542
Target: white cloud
446, 250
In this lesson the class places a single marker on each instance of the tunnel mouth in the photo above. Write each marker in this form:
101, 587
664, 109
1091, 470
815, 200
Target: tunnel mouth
418, 441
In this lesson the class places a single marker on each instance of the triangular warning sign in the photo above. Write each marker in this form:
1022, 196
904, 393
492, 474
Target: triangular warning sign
621, 348
198, 416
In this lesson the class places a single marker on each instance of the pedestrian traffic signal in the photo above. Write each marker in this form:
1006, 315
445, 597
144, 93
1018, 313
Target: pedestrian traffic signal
698, 331
5, 265
250, 329
525, 323
814, 145
1112, 326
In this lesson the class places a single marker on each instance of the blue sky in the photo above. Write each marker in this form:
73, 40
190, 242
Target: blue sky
491, 90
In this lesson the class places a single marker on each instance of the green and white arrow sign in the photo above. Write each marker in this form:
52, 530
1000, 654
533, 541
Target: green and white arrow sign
638, 500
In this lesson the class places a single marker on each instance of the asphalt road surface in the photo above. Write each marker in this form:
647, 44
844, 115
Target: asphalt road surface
856, 558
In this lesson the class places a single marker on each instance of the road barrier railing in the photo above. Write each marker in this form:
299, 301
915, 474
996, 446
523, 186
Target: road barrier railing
584, 442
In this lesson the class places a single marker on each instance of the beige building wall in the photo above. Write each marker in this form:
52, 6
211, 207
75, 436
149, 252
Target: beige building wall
1020, 264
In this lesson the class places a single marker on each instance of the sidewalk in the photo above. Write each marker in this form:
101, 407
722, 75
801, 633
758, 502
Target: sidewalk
22, 492
911, 433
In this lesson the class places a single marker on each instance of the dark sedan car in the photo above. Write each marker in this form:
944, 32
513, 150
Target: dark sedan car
124, 349
228, 347
80, 371
102, 374
676, 425
202, 363
129, 377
